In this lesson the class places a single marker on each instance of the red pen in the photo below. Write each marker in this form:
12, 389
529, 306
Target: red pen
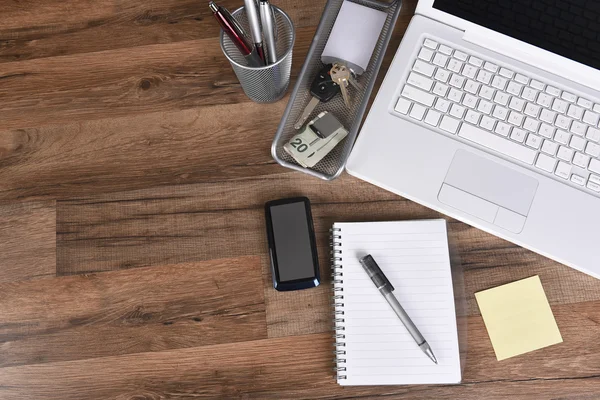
236, 33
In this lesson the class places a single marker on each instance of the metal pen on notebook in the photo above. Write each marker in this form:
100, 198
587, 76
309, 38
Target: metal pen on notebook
254, 22
385, 288
236, 33
268, 27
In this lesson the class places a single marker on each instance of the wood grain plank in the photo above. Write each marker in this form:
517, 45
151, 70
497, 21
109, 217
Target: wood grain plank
51, 28
27, 240
300, 367
124, 312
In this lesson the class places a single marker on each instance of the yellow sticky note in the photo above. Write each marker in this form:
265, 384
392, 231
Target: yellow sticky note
518, 317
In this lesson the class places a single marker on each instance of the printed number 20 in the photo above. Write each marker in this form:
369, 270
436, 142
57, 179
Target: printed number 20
298, 145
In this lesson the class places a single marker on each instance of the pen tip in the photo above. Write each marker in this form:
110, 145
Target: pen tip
427, 350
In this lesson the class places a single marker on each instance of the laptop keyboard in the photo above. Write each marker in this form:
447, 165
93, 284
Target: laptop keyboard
553, 131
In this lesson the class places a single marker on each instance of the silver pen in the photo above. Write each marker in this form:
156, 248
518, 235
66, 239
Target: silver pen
268, 26
385, 288
254, 22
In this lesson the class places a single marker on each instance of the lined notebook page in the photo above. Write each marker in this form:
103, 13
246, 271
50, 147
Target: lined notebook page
378, 349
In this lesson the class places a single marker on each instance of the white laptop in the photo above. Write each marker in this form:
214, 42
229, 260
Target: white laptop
489, 114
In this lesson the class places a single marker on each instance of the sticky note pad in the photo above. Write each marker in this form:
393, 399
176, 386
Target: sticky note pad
518, 317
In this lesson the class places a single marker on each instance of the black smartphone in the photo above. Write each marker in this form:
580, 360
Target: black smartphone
292, 246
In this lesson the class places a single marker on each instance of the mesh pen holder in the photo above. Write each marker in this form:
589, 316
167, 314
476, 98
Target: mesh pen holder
269, 83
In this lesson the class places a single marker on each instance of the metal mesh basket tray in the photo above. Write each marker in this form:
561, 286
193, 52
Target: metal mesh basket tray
333, 164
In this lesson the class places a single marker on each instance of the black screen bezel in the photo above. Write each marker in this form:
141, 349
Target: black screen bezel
296, 284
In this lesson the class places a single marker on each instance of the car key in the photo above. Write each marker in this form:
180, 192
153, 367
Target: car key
341, 75
322, 89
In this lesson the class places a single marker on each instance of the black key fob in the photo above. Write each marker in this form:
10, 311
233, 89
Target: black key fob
323, 87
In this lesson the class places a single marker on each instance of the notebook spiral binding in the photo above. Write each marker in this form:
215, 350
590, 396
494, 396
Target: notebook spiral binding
337, 274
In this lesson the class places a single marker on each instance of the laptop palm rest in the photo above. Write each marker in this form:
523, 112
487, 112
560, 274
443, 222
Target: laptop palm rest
488, 190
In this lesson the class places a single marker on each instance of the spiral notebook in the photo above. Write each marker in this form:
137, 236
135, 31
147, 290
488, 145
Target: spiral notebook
372, 345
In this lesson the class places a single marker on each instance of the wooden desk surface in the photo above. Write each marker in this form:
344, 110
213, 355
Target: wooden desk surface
133, 262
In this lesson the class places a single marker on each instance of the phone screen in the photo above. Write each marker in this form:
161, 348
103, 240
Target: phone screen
292, 242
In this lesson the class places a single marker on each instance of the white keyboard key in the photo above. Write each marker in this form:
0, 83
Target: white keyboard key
595, 179
402, 106
486, 107
551, 90
575, 112
417, 112
472, 86
545, 163
432, 44
577, 143
591, 118
500, 113
484, 76
490, 67
455, 95
548, 116
562, 137
420, 81
424, 68
454, 65
515, 118
545, 100
594, 166
578, 128
433, 117
549, 147
584, 103
440, 89
596, 108
592, 149
497, 143
445, 50
518, 135
533, 110
487, 92
580, 180
457, 81
442, 105
516, 104
563, 122
426, 54
560, 106
522, 79
514, 88
593, 186
593, 134
564, 153
470, 71
502, 129
487, 123
460, 55
529, 94
501, 98
457, 111
418, 95
563, 170
506, 73
440, 60
449, 124
470, 101
472, 117
537, 84
534, 141
547, 130
531, 125
475, 61
442, 75
581, 160
570, 97
499, 82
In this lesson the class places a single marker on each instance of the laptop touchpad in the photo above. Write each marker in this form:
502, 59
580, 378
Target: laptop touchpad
488, 190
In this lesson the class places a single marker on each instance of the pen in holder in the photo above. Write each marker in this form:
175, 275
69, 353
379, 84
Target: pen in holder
269, 83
